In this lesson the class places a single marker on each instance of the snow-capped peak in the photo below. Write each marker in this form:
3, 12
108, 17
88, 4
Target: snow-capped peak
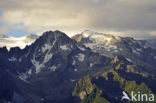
88, 33
100, 37
21, 42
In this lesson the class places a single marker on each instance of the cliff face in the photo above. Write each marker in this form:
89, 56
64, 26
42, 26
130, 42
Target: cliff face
58, 69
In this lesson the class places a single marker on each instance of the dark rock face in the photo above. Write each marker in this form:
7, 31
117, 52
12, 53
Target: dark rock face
148, 43
49, 67
6, 87
48, 70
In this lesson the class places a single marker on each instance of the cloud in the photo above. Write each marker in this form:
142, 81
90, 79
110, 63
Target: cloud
74, 16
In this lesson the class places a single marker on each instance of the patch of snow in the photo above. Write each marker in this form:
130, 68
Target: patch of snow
140, 50
20, 59
107, 48
82, 48
134, 51
74, 62
47, 57
24, 76
100, 38
64, 47
129, 59
39, 50
116, 51
12, 59
120, 49
80, 57
87, 33
37, 65
91, 64
46, 47
53, 68
154, 57
90, 45
117, 37
30, 71
75, 70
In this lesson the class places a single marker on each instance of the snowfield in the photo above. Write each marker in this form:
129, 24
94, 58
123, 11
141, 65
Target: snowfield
17, 42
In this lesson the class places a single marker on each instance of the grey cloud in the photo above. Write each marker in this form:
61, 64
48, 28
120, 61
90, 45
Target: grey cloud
138, 17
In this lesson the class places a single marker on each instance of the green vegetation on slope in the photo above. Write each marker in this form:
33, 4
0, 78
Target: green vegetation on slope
91, 92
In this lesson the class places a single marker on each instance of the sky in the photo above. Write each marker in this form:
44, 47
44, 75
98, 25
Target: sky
135, 18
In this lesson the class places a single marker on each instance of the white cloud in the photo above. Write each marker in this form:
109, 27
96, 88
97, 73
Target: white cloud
73, 16
153, 33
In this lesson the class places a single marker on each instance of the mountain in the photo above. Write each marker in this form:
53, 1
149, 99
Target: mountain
108, 87
21, 42
111, 46
59, 69
148, 43
55, 58
3, 36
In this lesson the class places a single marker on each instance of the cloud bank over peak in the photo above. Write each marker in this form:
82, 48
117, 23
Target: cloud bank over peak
125, 17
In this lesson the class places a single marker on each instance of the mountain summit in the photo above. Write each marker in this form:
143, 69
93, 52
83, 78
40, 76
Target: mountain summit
58, 69
53, 57
111, 46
